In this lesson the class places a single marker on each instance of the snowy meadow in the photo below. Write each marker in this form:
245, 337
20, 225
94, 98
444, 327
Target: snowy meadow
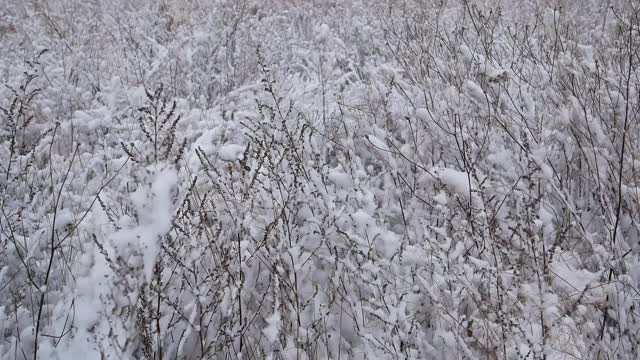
306, 179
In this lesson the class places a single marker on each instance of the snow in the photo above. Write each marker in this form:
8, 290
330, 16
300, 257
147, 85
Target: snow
440, 198
361, 219
379, 144
273, 327
456, 181
413, 190
474, 91
231, 152
576, 279
423, 114
156, 208
340, 179
323, 33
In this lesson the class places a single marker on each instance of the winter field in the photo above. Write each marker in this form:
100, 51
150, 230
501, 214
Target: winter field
327, 179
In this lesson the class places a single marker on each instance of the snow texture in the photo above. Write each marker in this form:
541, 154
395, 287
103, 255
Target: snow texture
319, 179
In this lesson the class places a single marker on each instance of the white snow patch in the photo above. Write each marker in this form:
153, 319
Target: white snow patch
474, 91
323, 33
567, 274
273, 327
162, 213
423, 114
361, 219
231, 152
340, 179
388, 243
441, 198
378, 143
155, 207
455, 181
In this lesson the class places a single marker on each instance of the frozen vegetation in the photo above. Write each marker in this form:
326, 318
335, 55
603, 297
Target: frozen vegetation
290, 179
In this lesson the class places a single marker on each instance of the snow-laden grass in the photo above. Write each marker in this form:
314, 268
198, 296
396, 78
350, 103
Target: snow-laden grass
319, 180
